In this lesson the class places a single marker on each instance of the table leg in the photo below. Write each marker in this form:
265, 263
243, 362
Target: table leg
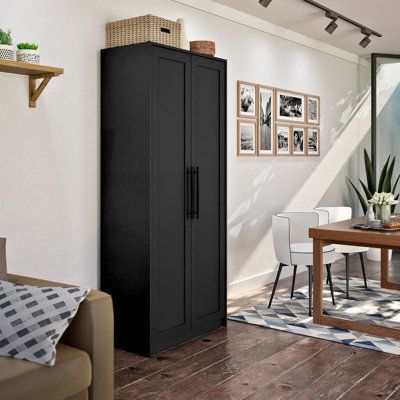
384, 268
318, 281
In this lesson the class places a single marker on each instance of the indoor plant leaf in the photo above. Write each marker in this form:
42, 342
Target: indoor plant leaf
360, 197
369, 172
383, 175
387, 182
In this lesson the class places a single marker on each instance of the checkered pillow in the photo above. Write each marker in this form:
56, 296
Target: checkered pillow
33, 319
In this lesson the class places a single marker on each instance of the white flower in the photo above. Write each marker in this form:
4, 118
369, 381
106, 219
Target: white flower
383, 198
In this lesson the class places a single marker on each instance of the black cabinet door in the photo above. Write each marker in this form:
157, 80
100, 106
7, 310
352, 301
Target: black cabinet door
170, 228
209, 225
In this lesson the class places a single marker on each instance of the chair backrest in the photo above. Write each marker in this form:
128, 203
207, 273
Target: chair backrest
290, 228
329, 215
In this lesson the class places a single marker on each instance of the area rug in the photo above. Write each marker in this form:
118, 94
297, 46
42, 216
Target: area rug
375, 306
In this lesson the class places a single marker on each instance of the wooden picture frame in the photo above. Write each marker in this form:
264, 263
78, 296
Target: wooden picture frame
313, 110
246, 137
299, 143
247, 96
314, 141
266, 121
288, 102
281, 129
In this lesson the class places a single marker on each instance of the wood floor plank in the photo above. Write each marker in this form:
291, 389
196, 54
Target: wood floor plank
379, 384
304, 374
123, 359
149, 387
150, 366
252, 377
344, 376
233, 364
215, 374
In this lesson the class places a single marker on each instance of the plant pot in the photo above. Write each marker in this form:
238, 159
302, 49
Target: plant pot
28, 56
7, 52
374, 254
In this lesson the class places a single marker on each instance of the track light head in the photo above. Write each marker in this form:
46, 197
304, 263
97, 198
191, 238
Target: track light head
332, 25
366, 41
265, 3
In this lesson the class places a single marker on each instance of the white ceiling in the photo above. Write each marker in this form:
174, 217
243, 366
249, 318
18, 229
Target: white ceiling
299, 16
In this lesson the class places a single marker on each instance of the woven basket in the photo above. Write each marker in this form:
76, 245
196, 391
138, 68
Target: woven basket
147, 28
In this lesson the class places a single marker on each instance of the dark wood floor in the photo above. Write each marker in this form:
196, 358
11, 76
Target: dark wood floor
249, 362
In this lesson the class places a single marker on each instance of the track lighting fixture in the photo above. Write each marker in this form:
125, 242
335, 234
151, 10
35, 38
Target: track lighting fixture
334, 16
332, 25
265, 3
366, 41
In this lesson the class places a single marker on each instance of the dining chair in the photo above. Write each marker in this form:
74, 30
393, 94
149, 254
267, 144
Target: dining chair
293, 247
329, 215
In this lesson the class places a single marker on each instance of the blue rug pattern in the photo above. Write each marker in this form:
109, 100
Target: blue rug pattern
373, 306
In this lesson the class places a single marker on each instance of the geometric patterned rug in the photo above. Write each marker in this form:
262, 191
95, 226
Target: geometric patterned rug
375, 306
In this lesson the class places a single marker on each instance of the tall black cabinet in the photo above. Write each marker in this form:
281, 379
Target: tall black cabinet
163, 194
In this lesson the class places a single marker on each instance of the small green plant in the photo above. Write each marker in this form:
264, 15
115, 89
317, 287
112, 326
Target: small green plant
384, 183
5, 37
27, 46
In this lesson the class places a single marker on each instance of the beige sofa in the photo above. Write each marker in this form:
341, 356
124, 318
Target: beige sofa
84, 366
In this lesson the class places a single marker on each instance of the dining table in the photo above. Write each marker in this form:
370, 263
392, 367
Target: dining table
344, 232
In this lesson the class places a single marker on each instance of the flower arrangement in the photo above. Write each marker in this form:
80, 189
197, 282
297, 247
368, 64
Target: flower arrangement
377, 183
383, 199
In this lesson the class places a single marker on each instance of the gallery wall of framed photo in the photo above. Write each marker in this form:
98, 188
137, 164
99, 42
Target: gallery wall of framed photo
277, 122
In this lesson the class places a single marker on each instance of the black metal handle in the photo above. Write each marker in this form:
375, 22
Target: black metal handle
197, 192
189, 193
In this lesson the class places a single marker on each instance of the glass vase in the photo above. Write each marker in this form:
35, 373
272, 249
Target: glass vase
384, 212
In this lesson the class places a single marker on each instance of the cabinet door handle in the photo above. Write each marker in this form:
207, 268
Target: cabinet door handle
197, 193
189, 193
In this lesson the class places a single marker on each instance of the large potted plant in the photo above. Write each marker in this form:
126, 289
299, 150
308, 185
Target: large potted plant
6, 47
371, 187
28, 53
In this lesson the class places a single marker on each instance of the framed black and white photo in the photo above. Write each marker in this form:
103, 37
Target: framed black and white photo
313, 109
246, 137
247, 100
298, 141
266, 109
283, 138
313, 141
290, 106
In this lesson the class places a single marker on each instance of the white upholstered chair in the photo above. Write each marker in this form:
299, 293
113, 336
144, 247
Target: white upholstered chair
329, 215
293, 247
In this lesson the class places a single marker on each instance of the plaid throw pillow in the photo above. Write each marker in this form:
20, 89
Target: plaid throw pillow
33, 319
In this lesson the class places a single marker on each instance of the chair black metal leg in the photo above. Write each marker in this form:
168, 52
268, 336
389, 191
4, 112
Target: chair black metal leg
363, 270
294, 280
347, 256
310, 278
275, 284
329, 279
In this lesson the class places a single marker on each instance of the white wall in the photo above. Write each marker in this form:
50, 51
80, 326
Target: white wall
49, 156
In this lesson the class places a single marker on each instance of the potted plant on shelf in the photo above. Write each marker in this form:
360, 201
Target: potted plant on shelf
28, 53
384, 185
6, 47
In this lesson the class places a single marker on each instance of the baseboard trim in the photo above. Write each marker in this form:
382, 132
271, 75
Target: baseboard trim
244, 286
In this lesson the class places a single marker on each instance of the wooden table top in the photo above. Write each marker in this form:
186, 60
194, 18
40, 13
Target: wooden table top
343, 233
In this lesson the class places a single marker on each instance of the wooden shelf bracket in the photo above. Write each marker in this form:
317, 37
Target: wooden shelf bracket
34, 92
34, 72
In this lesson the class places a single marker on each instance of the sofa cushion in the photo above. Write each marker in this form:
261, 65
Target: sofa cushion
32, 319
3, 259
23, 380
